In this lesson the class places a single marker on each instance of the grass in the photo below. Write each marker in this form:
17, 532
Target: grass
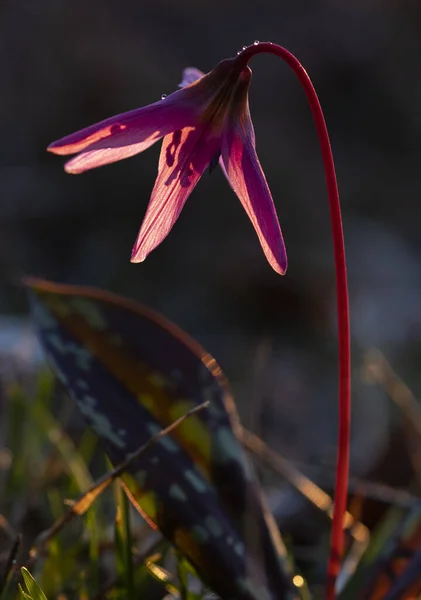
53, 460
67, 529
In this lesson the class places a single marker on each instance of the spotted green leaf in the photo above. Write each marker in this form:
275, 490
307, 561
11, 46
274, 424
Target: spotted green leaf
132, 373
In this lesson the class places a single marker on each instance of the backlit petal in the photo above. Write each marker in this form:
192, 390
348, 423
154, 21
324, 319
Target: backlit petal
128, 133
185, 154
243, 171
132, 132
190, 75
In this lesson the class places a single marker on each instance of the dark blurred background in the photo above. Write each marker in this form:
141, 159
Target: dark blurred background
66, 64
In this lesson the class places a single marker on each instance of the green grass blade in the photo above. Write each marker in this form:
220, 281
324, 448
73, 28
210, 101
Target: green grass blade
124, 542
23, 595
34, 589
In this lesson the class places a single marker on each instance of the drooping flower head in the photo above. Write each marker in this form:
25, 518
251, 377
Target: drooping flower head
205, 121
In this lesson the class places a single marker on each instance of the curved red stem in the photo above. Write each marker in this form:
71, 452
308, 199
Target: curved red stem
342, 467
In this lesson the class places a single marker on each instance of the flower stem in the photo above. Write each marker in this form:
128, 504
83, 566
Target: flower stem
342, 467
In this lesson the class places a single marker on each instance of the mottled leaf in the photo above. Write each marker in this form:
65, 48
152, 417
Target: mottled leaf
132, 373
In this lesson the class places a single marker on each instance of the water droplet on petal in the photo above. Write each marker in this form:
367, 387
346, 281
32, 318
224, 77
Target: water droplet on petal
244, 47
256, 42
163, 96
239, 52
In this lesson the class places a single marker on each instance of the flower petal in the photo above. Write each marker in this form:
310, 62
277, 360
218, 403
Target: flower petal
190, 75
185, 154
243, 171
127, 134
132, 132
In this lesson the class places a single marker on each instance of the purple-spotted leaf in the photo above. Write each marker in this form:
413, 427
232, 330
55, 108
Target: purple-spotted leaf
132, 373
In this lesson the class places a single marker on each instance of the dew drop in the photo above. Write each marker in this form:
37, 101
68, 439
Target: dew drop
244, 47
239, 52
163, 96
256, 42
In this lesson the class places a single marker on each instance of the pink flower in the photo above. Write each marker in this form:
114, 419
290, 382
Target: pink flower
207, 120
